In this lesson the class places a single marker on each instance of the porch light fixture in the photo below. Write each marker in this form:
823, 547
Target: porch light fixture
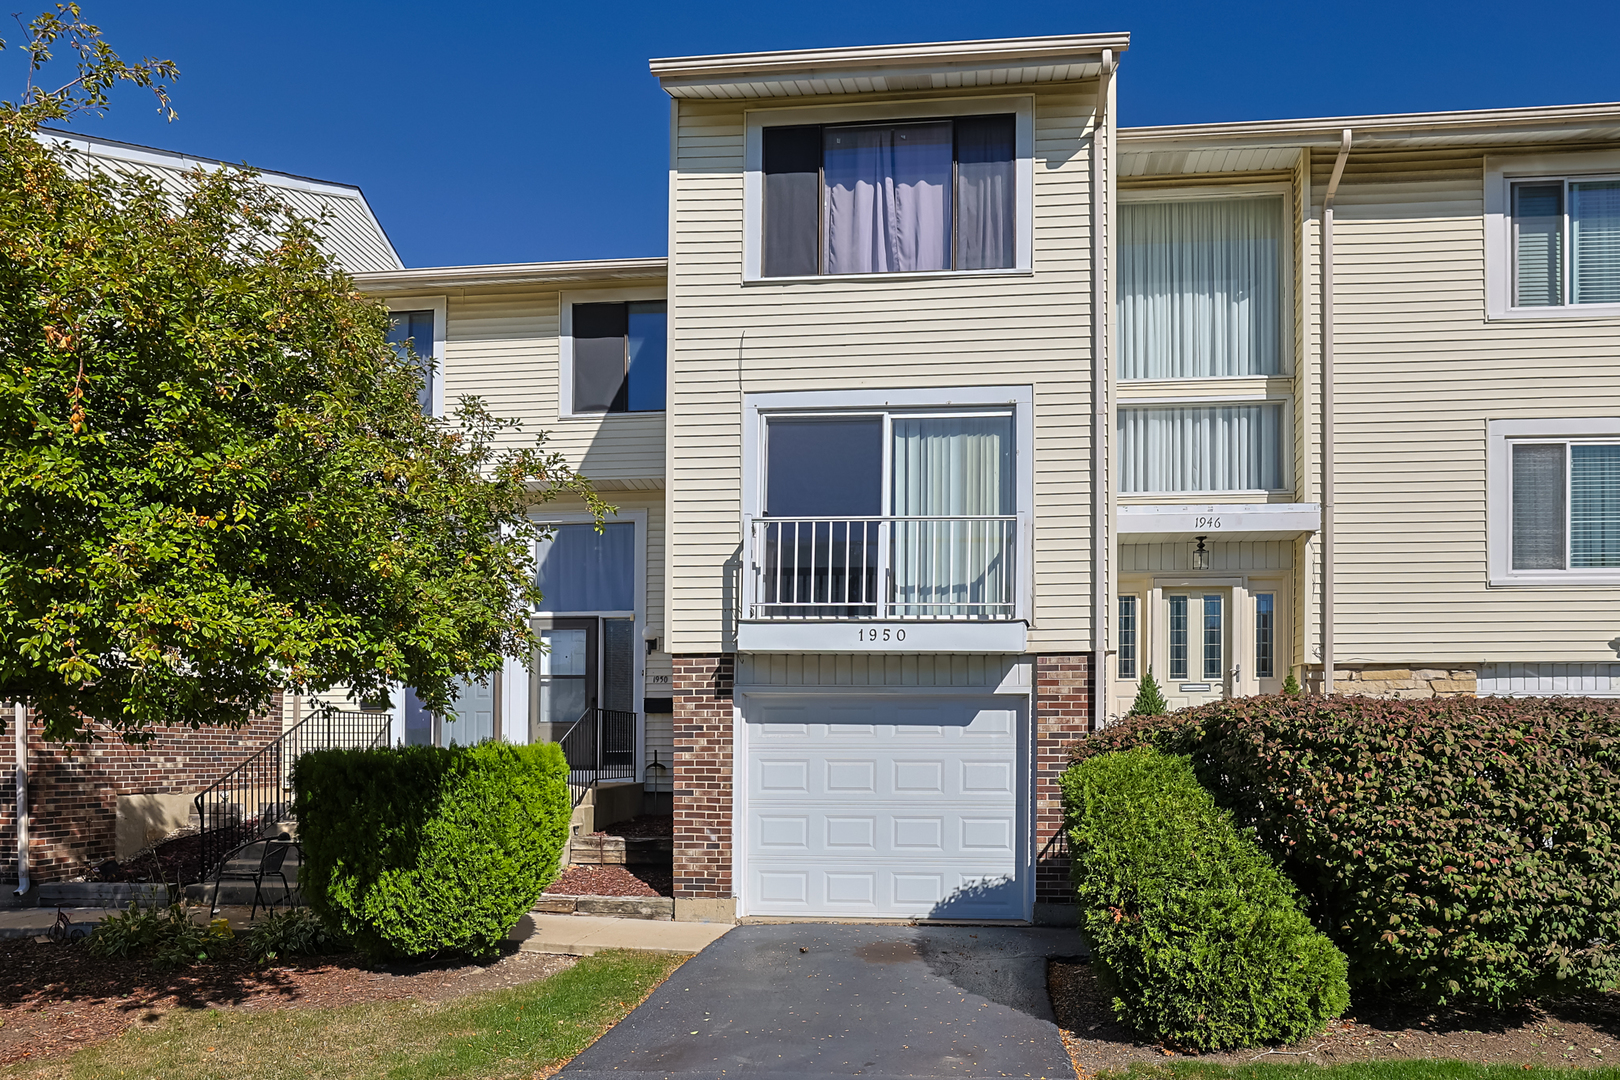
1200, 559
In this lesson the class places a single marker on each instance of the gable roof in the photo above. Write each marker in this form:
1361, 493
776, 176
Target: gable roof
350, 232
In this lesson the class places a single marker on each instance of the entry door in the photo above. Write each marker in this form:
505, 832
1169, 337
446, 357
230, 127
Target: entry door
1196, 643
565, 679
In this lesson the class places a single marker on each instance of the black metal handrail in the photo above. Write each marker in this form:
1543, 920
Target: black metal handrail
600, 746
241, 805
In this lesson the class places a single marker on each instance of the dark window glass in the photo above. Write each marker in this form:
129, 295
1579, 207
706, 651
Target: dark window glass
1178, 637
824, 468
1127, 637
1265, 636
415, 329
792, 167
620, 356
984, 193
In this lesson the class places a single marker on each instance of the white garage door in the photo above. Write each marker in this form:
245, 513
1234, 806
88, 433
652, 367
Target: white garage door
884, 807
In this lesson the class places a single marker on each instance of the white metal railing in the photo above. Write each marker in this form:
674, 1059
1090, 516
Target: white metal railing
916, 567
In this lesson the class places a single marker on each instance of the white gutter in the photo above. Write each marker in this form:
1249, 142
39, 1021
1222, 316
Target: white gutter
1102, 539
20, 724
1327, 412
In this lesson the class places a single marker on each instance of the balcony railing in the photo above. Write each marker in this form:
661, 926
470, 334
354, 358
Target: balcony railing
887, 568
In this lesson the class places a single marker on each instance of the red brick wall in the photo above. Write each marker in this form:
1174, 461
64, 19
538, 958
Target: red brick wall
702, 781
1063, 688
73, 789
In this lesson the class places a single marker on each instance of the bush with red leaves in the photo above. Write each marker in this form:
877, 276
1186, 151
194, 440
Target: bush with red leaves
1461, 849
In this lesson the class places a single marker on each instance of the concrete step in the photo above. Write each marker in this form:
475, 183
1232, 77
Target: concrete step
616, 907
582, 935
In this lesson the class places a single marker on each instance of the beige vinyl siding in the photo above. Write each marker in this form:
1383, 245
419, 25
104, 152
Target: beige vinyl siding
731, 338
1419, 371
1176, 557
501, 345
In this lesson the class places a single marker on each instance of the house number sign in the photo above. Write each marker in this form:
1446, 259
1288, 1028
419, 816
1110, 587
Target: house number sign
875, 635
1208, 522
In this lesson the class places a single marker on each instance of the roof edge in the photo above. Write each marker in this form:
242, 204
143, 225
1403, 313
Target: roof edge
535, 273
938, 54
1328, 129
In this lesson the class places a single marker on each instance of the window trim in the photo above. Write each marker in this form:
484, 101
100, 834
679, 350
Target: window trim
1501, 173
1022, 106
1210, 192
565, 345
757, 408
1501, 435
440, 306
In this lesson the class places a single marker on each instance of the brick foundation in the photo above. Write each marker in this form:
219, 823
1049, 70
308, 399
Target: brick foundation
702, 776
1063, 689
73, 789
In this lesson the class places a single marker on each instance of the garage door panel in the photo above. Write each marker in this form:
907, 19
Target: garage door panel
875, 807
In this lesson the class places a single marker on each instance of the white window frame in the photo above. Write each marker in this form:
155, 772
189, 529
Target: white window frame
1022, 106
1285, 438
565, 346
1501, 435
1501, 173
1209, 193
440, 307
757, 408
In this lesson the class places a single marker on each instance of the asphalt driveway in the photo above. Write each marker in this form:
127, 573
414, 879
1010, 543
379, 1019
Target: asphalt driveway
821, 1000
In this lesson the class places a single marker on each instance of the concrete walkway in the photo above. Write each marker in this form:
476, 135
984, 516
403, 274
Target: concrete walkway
582, 935
818, 1000
24, 922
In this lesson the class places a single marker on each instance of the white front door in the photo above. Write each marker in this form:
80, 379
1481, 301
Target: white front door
885, 807
1197, 641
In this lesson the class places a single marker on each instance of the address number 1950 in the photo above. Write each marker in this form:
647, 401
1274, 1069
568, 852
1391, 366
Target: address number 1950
876, 634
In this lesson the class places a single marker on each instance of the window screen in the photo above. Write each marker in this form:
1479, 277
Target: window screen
620, 356
1538, 507
824, 467
415, 329
1566, 221
985, 207
580, 569
1538, 240
792, 167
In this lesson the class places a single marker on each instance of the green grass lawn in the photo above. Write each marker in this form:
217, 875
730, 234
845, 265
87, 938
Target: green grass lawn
1366, 1070
499, 1033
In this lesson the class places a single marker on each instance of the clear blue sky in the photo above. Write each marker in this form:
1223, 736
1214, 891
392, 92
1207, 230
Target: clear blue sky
532, 131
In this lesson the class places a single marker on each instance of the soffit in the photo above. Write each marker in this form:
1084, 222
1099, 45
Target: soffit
888, 68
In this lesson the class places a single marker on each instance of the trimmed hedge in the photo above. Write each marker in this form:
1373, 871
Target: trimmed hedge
1457, 850
1199, 933
421, 850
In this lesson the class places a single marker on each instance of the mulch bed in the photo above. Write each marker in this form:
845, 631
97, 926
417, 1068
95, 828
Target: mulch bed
58, 998
641, 827
173, 860
613, 880
1582, 1031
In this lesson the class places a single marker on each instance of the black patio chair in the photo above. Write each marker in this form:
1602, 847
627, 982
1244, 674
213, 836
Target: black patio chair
270, 865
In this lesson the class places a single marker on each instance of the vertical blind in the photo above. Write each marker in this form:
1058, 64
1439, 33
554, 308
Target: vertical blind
1594, 219
1594, 506
1201, 289
1201, 447
954, 466
1538, 507
1547, 215
1538, 240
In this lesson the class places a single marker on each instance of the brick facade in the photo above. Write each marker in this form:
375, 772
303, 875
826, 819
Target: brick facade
1063, 689
73, 789
702, 780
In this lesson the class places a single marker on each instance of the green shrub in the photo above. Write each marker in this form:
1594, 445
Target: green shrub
165, 935
1199, 934
1149, 698
421, 850
294, 932
1173, 733
1462, 849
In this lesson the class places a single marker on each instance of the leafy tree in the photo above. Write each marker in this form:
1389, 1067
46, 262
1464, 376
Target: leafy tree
1149, 701
215, 480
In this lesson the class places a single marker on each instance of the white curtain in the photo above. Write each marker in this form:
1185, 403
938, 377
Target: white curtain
888, 198
1200, 292
953, 467
1201, 447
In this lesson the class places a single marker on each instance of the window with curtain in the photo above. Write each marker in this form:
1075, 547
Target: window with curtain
412, 332
1201, 287
889, 198
579, 569
1236, 447
619, 357
1566, 242
1565, 506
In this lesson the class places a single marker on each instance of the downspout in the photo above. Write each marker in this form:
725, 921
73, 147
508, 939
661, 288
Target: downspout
1327, 413
1102, 535
20, 724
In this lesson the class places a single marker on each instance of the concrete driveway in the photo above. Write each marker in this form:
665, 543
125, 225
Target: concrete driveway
821, 1000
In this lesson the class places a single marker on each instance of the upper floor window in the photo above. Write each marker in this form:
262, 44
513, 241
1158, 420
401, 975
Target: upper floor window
922, 195
416, 326
617, 356
1566, 242
1202, 287
1224, 447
